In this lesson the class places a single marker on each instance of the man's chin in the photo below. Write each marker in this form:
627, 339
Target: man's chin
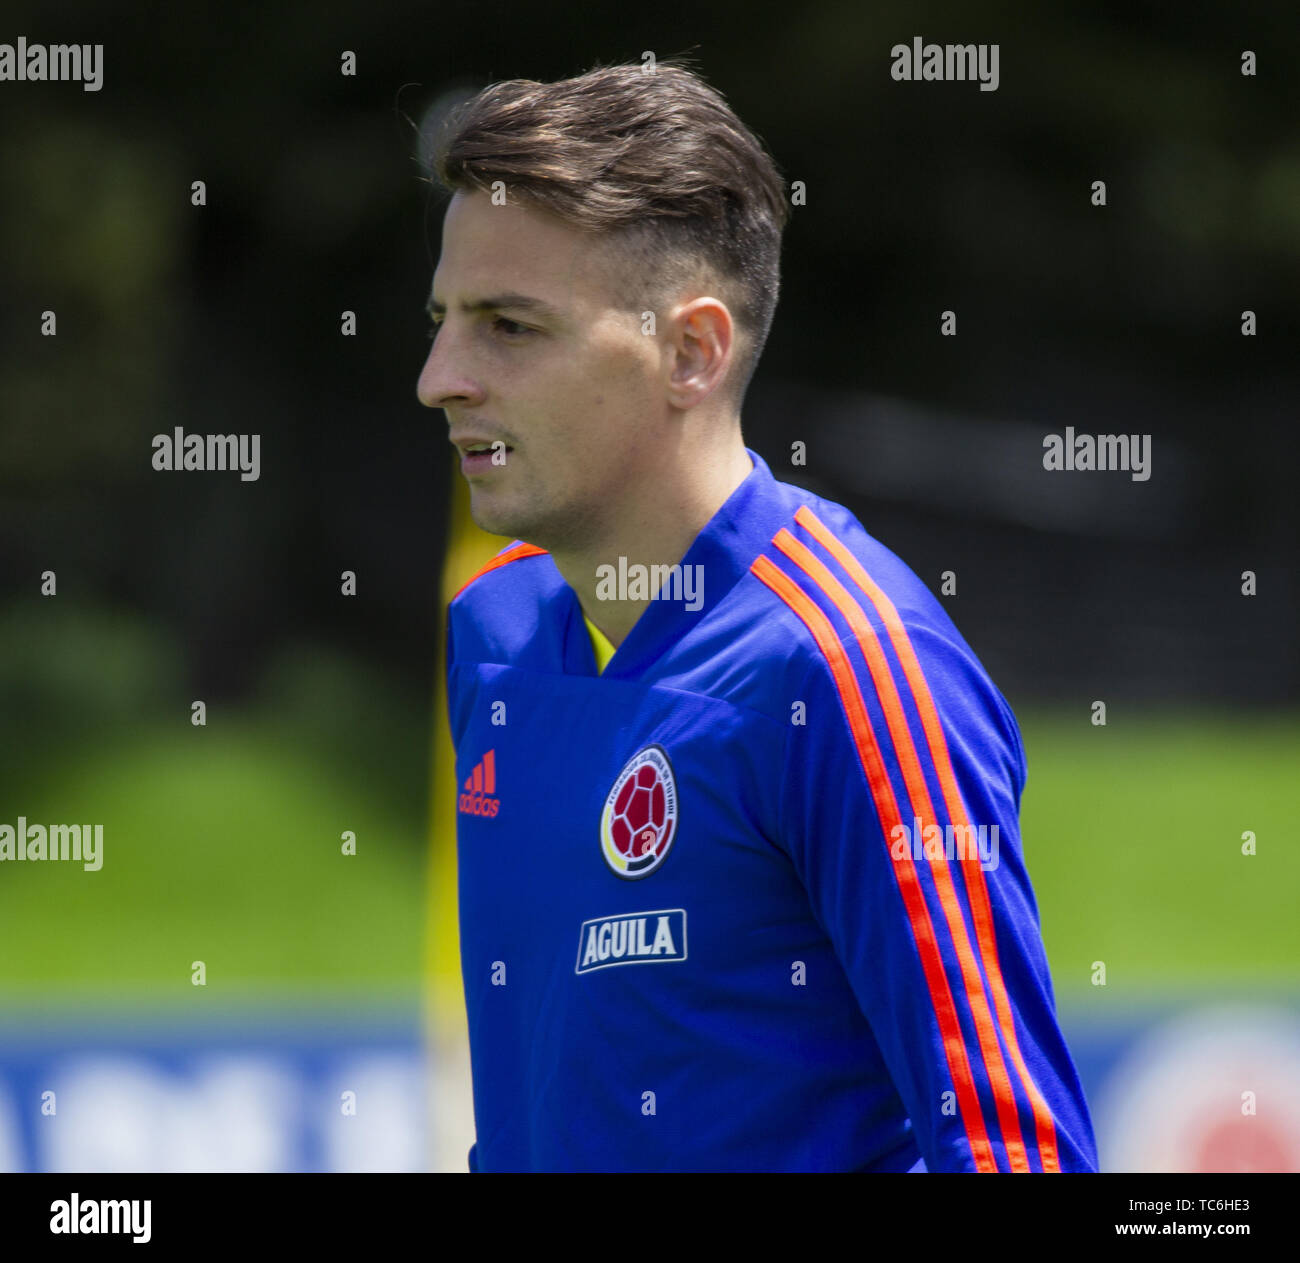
497, 521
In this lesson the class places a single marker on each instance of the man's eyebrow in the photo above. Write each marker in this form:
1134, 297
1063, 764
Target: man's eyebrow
497, 302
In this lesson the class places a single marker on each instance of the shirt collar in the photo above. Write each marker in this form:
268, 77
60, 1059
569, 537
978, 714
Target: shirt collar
723, 551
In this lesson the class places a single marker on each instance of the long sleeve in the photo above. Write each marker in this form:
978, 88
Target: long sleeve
900, 809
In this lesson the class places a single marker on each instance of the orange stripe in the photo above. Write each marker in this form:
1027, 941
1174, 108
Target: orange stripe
922, 807
516, 553
882, 794
977, 891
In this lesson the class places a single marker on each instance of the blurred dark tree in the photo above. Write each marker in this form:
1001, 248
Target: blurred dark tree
226, 318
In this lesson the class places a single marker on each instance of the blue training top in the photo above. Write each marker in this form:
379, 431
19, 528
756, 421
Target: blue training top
753, 898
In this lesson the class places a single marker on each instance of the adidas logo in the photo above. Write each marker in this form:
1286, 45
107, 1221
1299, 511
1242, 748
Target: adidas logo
477, 794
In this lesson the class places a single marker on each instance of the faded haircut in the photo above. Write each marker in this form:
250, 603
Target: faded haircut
656, 163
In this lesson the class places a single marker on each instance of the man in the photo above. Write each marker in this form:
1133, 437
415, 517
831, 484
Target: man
715, 742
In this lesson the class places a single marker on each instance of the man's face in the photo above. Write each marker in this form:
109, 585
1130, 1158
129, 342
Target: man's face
534, 349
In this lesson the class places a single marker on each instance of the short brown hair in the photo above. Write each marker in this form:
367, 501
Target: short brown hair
658, 162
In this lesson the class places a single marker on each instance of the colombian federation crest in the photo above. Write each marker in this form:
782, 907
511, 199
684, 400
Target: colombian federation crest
640, 816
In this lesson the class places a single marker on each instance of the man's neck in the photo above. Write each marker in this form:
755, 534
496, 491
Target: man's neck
659, 532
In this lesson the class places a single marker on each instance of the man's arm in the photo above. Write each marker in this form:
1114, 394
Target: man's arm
938, 936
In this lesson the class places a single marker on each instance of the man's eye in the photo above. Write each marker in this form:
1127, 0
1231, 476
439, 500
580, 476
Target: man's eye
511, 328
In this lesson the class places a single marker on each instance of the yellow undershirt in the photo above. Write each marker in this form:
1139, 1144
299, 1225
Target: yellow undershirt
600, 645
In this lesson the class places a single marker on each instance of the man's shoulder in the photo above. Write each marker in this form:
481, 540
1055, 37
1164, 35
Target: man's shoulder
816, 594
530, 571
497, 613
823, 580
864, 632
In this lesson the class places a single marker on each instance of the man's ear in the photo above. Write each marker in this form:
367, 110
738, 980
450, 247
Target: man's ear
701, 343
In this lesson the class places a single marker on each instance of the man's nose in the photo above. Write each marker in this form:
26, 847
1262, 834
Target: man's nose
444, 378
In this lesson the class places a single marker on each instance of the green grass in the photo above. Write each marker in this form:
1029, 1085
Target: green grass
221, 844
1132, 837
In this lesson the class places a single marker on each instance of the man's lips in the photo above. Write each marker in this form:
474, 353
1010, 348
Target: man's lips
465, 442
489, 462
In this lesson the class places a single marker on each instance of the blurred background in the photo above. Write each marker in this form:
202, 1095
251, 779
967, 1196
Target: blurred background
328, 1033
